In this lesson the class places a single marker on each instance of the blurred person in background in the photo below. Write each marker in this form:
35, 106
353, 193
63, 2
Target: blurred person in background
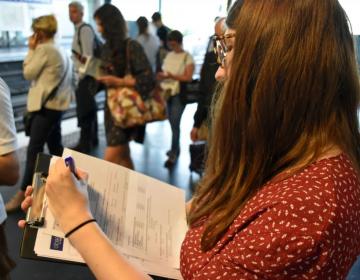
112, 26
207, 84
9, 169
148, 41
162, 31
83, 46
49, 70
178, 67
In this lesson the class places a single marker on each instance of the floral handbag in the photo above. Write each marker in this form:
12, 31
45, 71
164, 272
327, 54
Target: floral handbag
127, 107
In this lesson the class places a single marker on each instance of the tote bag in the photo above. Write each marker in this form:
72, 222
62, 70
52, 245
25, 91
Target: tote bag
127, 107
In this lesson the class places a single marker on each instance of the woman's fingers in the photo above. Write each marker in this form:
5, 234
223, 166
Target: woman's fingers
82, 174
26, 203
21, 224
29, 190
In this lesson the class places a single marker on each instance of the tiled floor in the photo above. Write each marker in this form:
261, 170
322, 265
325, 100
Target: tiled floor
148, 159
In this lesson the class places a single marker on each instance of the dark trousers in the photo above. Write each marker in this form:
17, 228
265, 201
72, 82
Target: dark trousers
86, 108
175, 109
6, 263
46, 128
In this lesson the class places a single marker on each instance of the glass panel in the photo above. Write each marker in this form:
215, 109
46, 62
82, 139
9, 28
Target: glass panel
133, 9
16, 19
196, 26
352, 9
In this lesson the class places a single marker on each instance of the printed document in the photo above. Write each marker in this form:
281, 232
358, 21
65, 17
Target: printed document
143, 217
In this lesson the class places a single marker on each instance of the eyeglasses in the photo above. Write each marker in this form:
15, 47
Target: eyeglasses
220, 47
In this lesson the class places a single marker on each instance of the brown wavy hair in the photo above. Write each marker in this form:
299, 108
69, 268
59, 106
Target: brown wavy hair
293, 91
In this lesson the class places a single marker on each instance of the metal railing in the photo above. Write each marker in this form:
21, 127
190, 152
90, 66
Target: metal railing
11, 73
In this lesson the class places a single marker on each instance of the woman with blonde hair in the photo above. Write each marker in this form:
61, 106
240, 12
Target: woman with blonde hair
49, 70
280, 198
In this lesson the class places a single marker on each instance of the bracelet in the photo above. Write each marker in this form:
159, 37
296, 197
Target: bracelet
79, 226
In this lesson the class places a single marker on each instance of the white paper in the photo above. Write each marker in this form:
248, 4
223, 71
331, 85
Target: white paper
91, 67
143, 217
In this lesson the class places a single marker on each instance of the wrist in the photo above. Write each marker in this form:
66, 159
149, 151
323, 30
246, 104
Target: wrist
79, 227
70, 222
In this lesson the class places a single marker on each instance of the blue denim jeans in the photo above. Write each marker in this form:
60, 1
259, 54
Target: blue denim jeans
175, 109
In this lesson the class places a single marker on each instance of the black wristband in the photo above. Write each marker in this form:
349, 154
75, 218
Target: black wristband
79, 226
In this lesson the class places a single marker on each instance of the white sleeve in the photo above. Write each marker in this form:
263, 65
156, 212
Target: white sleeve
189, 59
87, 40
8, 141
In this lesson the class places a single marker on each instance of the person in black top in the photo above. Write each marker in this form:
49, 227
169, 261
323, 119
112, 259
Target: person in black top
162, 32
112, 27
207, 83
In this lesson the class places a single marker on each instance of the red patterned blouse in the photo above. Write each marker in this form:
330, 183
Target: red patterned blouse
304, 227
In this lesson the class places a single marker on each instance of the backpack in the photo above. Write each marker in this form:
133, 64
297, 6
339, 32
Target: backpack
97, 46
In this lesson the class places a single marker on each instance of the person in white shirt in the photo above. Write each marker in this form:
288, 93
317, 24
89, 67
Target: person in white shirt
83, 45
9, 168
178, 67
148, 41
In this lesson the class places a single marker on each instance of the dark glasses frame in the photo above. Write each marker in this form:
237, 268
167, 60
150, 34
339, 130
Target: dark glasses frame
220, 47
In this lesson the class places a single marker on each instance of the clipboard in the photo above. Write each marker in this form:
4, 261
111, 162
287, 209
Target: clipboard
30, 232
31, 248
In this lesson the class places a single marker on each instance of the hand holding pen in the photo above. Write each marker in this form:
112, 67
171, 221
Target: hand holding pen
67, 196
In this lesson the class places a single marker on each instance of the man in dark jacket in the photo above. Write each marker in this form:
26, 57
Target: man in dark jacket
207, 83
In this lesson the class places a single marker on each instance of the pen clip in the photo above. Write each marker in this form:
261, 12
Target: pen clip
35, 216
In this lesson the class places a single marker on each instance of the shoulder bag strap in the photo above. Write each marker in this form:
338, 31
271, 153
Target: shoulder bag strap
127, 59
185, 58
78, 37
55, 89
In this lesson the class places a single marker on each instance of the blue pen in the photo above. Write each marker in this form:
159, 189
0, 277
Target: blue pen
69, 161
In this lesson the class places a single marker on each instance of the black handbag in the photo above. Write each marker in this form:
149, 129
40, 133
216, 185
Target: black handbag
190, 91
197, 157
28, 117
27, 121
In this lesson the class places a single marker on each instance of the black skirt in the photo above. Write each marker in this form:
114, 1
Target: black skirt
116, 135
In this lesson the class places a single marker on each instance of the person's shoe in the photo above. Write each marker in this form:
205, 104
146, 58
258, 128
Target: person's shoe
85, 149
14, 203
169, 152
170, 162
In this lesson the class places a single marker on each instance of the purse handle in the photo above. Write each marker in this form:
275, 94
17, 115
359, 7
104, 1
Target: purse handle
185, 58
127, 58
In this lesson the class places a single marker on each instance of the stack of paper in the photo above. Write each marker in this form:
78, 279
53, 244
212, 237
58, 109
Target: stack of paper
143, 217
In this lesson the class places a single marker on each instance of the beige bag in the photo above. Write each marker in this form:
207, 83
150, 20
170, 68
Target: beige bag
170, 87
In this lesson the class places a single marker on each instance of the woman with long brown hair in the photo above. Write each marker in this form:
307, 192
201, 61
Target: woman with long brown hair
112, 27
280, 198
